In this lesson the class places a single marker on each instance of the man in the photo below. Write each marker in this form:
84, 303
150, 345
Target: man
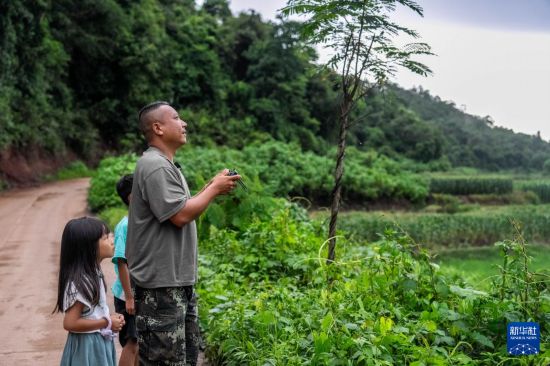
161, 249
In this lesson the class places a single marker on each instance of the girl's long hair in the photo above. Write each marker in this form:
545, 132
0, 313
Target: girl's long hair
78, 260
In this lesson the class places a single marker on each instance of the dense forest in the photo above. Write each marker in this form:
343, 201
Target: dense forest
73, 75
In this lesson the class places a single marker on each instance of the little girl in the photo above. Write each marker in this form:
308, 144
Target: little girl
81, 294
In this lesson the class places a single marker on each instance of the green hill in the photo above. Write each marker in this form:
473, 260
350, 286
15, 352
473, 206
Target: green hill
472, 140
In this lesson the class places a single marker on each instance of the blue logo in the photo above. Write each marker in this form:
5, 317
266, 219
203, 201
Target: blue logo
523, 338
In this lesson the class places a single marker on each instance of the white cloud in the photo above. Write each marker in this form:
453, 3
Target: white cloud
268, 8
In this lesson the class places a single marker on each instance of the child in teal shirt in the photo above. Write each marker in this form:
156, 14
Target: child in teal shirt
122, 291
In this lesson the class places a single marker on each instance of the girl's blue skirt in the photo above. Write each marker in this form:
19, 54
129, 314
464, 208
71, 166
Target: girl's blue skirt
88, 349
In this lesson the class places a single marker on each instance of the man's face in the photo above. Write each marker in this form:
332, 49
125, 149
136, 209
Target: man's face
173, 127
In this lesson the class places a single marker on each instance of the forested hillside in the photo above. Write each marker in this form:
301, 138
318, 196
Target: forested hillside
73, 75
473, 140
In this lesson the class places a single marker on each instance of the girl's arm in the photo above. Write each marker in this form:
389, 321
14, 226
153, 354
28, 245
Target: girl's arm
124, 276
73, 322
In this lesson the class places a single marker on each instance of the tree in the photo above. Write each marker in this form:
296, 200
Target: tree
217, 8
35, 104
278, 74
91, 32
360, 34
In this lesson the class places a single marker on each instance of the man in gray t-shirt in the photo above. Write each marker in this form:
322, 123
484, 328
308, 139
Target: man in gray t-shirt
161, 248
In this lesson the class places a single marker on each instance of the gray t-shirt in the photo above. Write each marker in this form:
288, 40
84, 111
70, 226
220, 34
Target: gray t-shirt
159, 253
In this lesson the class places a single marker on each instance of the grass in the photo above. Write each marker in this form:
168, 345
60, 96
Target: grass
3, 185
75, 169
479, 264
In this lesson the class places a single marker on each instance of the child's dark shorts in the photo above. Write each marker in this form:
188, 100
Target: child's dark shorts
128, 331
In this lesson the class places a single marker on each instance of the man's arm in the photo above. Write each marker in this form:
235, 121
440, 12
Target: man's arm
195, 206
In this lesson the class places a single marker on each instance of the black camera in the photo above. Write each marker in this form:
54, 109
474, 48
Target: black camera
240, 181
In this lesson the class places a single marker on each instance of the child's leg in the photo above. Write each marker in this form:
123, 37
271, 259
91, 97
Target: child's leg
129, 354
127, 336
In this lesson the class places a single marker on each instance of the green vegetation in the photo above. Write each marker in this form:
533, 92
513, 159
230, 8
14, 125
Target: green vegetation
3, 185
479, 265
469, 185
540, 188
113, 215
514, 198
269, 302
76, 169
277, 169
474, 141
481, 226
74, 74
102, 193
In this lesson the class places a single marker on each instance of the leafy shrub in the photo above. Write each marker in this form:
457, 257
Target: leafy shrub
3, 185
441, 165
277, 169
76, 169
284, 170
267, 249
102, 193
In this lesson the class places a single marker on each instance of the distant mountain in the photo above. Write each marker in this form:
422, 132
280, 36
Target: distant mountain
424, 127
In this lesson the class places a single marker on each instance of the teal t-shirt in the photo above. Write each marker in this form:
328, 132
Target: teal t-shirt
121, 231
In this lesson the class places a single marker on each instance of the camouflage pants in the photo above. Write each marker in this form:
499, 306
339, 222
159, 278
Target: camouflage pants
167, 326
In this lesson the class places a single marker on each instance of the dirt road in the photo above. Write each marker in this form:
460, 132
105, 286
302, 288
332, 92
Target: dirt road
31, 223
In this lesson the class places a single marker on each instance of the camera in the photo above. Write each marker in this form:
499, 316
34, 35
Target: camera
241, 183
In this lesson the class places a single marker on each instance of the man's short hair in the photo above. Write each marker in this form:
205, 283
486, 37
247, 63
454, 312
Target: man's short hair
124, 187
145, 122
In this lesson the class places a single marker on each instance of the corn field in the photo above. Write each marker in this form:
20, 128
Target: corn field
481, 227
540, 188
466, 186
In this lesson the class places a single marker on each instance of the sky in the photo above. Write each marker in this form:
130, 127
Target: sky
492, 56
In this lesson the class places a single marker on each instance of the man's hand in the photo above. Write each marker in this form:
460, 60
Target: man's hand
195, 206
223, 183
